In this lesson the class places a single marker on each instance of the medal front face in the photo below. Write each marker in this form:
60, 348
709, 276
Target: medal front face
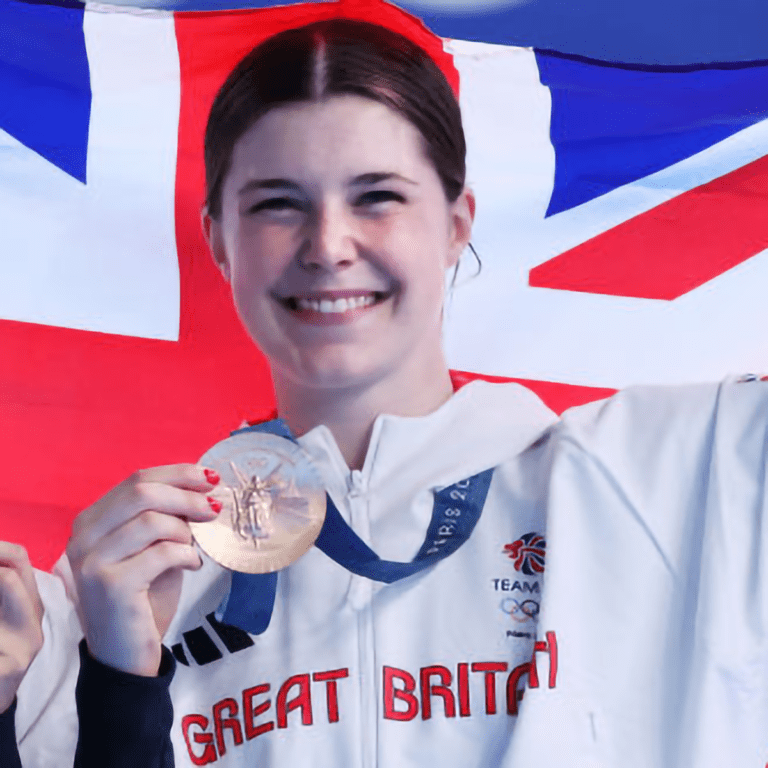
273, 503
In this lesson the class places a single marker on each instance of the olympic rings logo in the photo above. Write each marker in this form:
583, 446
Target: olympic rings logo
527, 610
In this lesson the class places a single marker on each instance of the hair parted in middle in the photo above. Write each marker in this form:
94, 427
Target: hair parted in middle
337, 57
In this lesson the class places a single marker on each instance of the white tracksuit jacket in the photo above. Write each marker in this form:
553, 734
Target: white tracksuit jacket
641, 645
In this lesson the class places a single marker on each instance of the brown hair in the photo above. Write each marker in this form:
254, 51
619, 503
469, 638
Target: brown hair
337, 57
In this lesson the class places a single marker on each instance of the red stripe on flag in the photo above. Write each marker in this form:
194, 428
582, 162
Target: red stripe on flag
673, 248
556, 395
79, 411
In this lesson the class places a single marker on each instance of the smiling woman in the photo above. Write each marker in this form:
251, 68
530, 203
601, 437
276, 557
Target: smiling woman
335, 204
420, 628
335, 234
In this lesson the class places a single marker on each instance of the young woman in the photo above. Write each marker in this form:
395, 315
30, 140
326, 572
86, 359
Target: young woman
420, 629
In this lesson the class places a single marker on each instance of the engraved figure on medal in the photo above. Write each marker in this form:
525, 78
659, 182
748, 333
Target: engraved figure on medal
257, 503
273, 503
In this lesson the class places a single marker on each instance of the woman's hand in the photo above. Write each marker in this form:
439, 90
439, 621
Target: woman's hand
128, 552
21, 616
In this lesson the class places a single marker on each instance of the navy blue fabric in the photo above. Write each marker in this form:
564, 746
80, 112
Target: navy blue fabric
125, 720
45, 82
652, 32
9, 750
251, 601
456, 512
614, 124
444, 536
275, 427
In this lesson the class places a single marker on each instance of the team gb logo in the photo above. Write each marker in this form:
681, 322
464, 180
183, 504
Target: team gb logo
527, 553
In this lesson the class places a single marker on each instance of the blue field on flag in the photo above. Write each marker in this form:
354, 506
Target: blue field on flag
45, 88
613, 124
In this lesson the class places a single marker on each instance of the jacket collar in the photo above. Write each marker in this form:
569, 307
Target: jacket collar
480, 426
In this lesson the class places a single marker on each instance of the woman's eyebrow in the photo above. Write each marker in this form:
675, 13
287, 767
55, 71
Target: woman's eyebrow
372, 177
377, 176
257, 184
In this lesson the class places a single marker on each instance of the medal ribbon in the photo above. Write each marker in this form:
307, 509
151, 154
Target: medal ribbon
457, 509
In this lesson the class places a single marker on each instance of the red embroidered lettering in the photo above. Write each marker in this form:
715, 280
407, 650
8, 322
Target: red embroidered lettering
428, 690
552, 641
221, 723
404, 694
490, 668
331, 693
250, 713
303, 699
209, 753
513, 695
463, 679
544, 646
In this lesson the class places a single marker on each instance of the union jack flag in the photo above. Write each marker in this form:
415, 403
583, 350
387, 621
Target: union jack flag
620, 224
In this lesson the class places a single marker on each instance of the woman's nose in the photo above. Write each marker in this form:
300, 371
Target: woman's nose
330, 240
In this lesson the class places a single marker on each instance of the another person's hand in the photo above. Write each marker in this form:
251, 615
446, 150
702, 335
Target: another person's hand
21, 616
128, 552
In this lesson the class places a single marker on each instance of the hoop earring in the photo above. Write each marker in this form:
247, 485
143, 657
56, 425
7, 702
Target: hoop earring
456, 268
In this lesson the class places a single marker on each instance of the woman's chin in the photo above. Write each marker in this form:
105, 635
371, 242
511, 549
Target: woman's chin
335, 372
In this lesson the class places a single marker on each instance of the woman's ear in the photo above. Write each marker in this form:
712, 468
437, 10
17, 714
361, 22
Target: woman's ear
214, 236
462, 217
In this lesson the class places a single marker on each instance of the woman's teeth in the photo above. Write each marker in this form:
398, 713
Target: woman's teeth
338, 305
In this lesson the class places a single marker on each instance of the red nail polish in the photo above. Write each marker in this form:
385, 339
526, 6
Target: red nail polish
212, 476
215, 505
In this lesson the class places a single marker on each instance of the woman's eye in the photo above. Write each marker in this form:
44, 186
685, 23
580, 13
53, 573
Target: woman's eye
379, 196
278, 204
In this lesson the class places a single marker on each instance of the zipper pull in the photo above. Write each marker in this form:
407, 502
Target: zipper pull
356, 485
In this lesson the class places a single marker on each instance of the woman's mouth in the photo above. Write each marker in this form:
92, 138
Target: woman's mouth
333, 308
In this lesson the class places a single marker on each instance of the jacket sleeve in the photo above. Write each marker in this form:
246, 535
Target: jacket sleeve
9, 752
46, 720
658, 518
125, 720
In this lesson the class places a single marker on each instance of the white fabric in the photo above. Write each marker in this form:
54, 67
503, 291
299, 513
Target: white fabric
85, 265
499, 324
651, 649
46, 720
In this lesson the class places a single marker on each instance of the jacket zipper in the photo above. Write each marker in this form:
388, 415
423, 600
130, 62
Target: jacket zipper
360, 593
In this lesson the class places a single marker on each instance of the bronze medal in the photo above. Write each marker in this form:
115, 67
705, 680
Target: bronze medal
273, 503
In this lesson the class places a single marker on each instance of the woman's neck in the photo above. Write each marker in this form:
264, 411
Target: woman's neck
350, 413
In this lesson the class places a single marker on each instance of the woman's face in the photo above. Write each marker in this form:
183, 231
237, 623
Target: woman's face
335, 236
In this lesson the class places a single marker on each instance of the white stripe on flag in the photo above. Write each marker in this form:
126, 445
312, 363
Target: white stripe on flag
499, 325
102, 257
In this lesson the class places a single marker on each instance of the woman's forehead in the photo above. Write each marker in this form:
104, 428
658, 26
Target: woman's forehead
339, 138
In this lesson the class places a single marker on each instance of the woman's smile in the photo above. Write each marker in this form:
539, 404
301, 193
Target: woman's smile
333, 307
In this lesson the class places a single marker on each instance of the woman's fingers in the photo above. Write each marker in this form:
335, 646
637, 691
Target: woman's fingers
17, 607
12, 554
178, 490
123, 545
15, 557
125, 617
154, 561
116, 584
21, 634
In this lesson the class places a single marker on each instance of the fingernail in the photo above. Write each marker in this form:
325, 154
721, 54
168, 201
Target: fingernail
215, 504
212, 476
